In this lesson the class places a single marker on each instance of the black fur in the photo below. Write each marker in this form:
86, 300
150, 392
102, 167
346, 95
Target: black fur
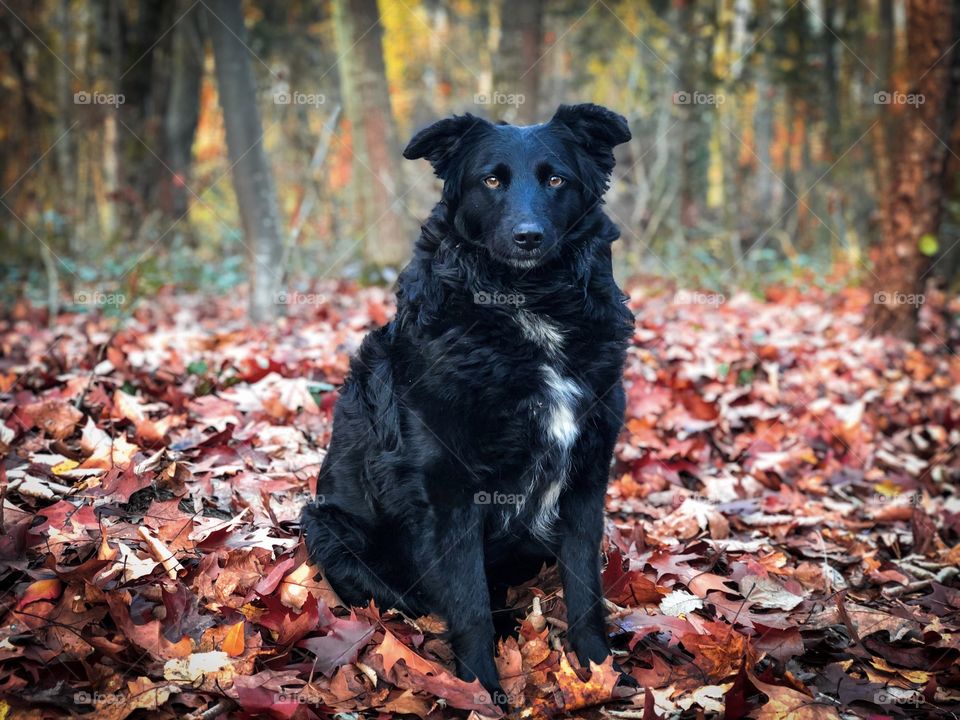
498, 381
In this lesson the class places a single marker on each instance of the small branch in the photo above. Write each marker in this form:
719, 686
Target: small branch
161, 552
224, 706
940, 577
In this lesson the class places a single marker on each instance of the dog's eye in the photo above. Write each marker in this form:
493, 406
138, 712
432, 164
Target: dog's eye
555, 181
492, 182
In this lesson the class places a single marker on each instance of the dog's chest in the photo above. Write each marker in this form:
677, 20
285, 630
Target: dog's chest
553, 426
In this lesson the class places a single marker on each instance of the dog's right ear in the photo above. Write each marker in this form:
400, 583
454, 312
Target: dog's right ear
441, 142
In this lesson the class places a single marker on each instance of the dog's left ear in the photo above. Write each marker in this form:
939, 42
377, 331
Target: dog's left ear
441, 142
597, 130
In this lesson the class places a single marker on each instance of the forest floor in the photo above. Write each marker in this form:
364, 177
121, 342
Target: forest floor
783, 534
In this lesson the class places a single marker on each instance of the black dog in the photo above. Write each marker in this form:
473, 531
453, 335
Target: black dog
473, 439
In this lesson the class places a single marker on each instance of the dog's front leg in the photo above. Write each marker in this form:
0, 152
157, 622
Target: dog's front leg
456, 585
579, 560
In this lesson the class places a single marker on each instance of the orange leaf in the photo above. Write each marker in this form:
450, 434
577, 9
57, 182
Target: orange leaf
233, 644
575, 693
393, 650
719, 652
40, 590
6, 381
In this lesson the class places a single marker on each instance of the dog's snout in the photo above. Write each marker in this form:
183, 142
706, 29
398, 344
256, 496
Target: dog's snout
528, 235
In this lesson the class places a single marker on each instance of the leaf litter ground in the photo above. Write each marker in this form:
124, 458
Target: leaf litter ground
783, 529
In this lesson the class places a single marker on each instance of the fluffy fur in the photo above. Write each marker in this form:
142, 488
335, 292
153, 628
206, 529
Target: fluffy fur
472, 440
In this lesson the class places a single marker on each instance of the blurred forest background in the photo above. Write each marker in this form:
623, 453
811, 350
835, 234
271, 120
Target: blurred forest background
212, 144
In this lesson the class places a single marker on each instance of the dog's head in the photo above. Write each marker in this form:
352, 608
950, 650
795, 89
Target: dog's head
520, 191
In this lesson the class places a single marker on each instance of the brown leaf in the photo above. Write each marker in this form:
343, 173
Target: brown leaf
785, 702
57, 418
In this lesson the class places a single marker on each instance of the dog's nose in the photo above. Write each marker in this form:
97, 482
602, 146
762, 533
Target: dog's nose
528, 235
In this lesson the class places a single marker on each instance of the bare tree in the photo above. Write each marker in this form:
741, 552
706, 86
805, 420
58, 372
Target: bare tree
252, 177
912, 205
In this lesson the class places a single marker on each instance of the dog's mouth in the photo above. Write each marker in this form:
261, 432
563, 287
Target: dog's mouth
530, 260
522, 259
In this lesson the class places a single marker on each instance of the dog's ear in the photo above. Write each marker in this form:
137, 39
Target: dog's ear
597, 130
441, 142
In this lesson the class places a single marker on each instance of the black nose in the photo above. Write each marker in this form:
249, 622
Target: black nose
528, 235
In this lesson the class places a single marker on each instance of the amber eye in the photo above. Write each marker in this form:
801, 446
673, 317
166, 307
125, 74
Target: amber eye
555, 181
492, 182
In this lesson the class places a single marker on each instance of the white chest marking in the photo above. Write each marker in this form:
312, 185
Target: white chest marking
561, 431
539, 331
562, 395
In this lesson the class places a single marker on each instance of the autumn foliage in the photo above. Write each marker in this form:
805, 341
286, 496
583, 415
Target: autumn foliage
782, 537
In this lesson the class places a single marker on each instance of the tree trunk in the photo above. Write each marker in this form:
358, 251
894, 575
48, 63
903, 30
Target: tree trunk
139, 47
68, 200
252, 177
831, 72
697, 110
517, 65
884, 62
912, 206
763, 179
183, 107
384, 226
